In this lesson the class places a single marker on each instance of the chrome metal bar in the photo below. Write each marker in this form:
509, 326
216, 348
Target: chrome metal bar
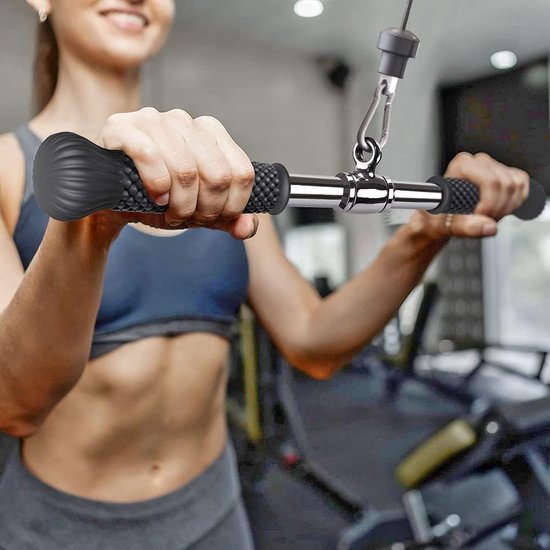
417, 196
316, 191
362, 192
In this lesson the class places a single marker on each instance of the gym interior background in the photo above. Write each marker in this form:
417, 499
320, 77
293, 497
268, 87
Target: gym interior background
294, 90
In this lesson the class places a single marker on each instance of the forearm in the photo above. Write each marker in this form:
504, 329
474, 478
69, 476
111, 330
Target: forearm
345, 321
46, 330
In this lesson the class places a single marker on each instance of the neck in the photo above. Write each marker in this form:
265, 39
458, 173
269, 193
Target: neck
85, 97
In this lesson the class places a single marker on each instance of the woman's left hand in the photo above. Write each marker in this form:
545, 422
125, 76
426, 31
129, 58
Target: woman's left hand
502, 190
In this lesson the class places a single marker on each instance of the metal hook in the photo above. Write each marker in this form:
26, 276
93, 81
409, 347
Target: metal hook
386, 86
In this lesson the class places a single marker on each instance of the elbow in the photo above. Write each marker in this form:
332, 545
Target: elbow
318, 368
21, 421
20, 428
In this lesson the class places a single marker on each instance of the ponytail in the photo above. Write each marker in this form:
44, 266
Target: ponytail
46, 65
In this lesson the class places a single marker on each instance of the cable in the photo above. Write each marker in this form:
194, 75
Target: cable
406, 15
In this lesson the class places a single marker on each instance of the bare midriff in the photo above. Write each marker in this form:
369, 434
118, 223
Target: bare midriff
143, 421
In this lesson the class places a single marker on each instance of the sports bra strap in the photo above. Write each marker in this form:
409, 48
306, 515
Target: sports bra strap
29, 143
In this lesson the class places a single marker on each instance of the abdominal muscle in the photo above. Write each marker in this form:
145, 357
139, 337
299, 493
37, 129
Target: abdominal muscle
142, 421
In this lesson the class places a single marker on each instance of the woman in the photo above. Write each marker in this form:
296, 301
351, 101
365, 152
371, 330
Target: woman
113, 336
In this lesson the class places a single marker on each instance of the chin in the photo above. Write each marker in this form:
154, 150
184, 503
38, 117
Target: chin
122, 56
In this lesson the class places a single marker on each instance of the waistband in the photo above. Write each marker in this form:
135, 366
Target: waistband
34, 515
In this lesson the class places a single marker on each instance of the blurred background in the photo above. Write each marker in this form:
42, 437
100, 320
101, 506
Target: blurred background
294, 90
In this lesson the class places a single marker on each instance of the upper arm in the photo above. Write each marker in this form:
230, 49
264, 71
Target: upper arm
11, 187
282, 299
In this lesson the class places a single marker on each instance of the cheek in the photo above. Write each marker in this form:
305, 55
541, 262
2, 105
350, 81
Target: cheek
164, 13
76, 30
164, 18
165, 9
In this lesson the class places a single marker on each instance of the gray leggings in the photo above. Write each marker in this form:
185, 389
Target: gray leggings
205, 514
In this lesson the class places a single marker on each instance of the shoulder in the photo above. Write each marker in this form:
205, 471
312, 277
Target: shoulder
9, 151
12, 175
11, 158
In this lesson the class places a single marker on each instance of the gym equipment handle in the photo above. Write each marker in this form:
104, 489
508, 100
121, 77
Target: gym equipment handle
73, 178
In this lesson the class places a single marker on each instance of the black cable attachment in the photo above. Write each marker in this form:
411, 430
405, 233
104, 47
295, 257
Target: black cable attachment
398, 45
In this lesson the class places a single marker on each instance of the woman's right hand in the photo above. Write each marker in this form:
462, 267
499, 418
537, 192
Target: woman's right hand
191, 165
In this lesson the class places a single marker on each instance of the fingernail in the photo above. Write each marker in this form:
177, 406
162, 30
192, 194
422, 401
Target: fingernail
163, 200
256, 225
489, 230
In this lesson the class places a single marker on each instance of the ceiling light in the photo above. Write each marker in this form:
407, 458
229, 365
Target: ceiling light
504, 60
309, 8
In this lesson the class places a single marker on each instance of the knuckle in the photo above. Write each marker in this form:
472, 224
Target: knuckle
186, 174
208, 121
491, 182
146, 152
208, 217
115, 126
160, 182
220, 181
183, 211
520, 188
149, 113
506, 184
461, 157
483, 156
523, 176
244, 176
114, 120
231, 213
458, 163
511, 185
180, 116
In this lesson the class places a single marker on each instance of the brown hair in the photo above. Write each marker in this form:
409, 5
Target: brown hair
46, 65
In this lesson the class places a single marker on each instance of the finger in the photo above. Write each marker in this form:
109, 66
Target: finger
473, 226
506, 191
182, 166
242, 227
119, 134
241, 167
215, 175
521, 189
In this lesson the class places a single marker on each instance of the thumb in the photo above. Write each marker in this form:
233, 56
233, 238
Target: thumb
243, 227
474, 226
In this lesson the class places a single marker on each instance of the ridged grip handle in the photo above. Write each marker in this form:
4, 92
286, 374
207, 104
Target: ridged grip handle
461, 197
74, 177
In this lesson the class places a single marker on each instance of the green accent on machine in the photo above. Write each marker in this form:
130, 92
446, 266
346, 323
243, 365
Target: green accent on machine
431, 454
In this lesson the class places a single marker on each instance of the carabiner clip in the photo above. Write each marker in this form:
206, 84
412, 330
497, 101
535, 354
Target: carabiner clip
386, 87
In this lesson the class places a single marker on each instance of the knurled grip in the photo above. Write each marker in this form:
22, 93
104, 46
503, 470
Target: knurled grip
74, 177
268, 195
461, 197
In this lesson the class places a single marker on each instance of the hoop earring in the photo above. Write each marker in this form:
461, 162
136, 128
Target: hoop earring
42, 15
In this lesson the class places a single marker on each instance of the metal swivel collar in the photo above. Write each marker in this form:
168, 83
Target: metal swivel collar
362, 162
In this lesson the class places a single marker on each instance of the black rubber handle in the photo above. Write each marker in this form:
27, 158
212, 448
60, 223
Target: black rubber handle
461, 197
74, 177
